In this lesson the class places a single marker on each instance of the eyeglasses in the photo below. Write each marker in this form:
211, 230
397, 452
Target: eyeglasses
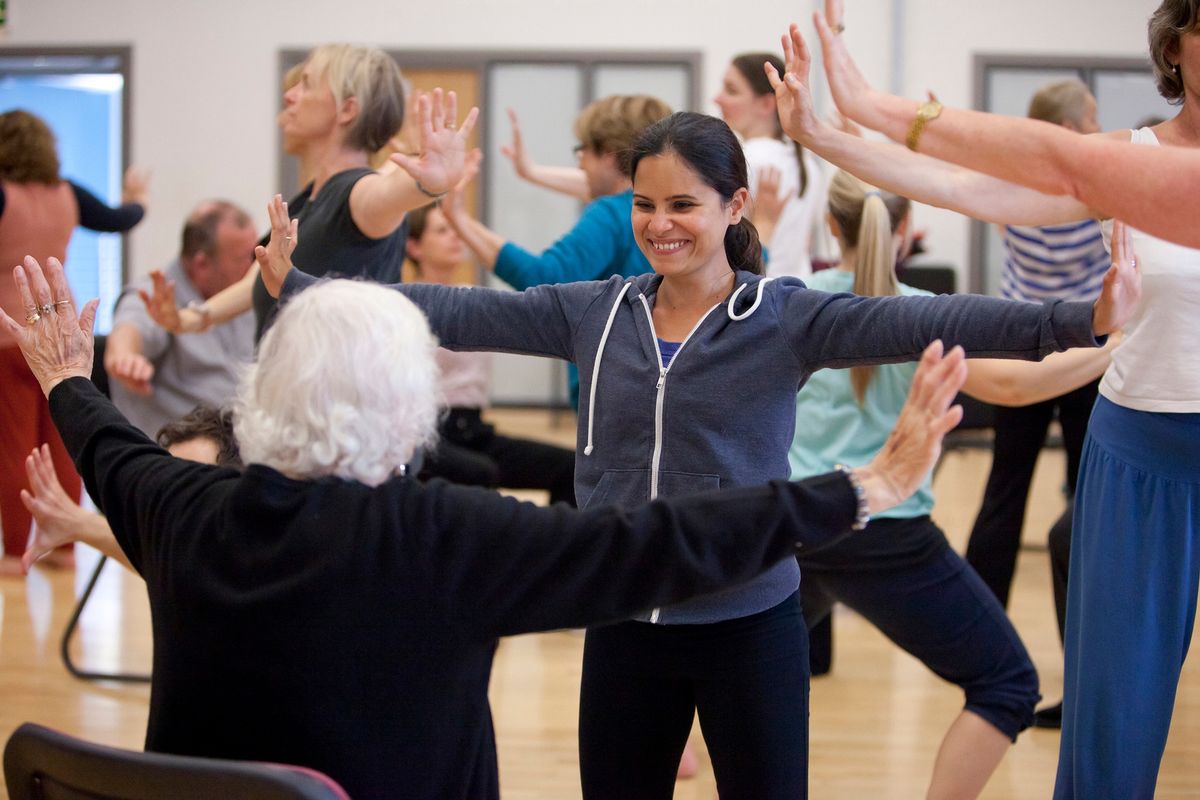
578, 149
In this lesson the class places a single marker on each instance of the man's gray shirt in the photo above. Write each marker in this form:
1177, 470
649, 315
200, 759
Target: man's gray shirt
190, 369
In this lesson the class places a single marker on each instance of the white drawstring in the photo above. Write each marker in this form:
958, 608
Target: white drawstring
753, 308
587, 451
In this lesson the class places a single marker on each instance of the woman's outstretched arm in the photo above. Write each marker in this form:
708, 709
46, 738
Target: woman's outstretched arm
1150, 188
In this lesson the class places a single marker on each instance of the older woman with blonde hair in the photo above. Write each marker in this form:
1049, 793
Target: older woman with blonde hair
348, 102
320, 609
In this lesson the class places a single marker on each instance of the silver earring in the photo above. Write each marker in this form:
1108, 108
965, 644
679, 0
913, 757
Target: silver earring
1175, 67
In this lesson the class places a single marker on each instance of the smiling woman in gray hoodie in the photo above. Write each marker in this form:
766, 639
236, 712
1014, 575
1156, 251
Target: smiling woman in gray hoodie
688, 382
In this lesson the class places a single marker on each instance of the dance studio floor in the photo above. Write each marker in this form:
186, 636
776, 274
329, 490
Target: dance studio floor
876, 720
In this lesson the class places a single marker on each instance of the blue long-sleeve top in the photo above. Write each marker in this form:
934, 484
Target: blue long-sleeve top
723, 413
599, 246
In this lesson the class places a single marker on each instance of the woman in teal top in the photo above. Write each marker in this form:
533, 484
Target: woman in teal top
900, 573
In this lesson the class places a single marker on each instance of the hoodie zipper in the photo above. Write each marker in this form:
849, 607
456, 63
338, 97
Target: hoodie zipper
660, 392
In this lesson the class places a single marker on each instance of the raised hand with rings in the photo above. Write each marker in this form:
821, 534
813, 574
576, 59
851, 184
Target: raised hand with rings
62, 347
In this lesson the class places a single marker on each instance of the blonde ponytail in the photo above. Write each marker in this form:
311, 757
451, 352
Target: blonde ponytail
867, 218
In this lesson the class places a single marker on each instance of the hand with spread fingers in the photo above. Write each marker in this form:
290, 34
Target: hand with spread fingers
275, 260
793, 96
55, 342
439, 165
853, 95
60, 520
1122, 289
516, 152
768, 203
916, 440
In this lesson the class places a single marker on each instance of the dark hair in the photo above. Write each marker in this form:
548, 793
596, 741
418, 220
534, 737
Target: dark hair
708, 146
750, 65
200, 230
1170, 21
417, 219
27, 149
204, 422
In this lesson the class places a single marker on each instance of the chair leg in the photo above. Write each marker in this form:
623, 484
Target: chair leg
73, 623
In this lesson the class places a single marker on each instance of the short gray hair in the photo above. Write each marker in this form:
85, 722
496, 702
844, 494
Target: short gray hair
345, 384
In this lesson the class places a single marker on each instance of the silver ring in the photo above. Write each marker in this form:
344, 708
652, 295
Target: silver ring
62, 302
840, 28
32, 318
46, 308
288, 238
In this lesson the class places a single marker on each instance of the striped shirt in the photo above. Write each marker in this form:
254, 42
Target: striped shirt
1057, 262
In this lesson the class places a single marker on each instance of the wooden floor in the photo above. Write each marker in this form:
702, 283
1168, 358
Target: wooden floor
875, 726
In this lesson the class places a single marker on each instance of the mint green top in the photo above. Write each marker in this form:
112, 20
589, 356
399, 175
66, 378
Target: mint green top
831, 427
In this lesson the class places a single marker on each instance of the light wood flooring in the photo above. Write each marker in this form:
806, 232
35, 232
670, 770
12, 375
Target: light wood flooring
876, 720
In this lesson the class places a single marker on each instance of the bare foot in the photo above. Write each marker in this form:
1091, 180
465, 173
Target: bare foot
10, 567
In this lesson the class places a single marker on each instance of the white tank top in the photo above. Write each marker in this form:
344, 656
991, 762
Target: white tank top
1157, 366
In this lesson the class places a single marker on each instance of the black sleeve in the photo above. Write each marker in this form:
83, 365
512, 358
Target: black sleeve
514, 567
133, 480
96, 215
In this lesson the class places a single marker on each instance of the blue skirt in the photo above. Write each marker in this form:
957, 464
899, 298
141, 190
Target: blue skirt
1131, 603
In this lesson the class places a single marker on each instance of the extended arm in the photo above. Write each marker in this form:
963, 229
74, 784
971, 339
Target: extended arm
897, 169
379, 202
223, 306
96, 215
518, 568
844, 330
1020, 383
1147, 187
125, 360
60, 520
570, 181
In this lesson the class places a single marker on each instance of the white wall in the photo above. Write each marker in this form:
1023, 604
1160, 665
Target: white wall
205, 77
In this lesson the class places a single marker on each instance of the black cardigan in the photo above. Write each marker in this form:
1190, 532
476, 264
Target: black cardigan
351, 629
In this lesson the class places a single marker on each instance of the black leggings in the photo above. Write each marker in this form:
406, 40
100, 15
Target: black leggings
470, 452
1020, 434
748, 680
906, 580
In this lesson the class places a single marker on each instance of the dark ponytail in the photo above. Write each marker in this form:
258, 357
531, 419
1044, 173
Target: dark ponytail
742, 247
708, 146
750, 65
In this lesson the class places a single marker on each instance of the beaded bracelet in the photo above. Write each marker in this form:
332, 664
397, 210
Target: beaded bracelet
863, 516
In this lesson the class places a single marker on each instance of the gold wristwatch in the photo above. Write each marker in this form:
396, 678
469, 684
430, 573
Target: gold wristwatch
928, 111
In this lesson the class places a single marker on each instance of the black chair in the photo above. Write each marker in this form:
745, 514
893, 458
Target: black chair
935, 278
100, 378
43, 764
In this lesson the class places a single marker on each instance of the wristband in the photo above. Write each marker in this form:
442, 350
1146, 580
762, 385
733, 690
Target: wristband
427, 193
204, 311
863, 514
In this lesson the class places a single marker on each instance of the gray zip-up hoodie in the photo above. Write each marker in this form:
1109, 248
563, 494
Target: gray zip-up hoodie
723, 413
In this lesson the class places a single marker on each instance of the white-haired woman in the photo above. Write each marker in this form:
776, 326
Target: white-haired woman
318, 609
347, 104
